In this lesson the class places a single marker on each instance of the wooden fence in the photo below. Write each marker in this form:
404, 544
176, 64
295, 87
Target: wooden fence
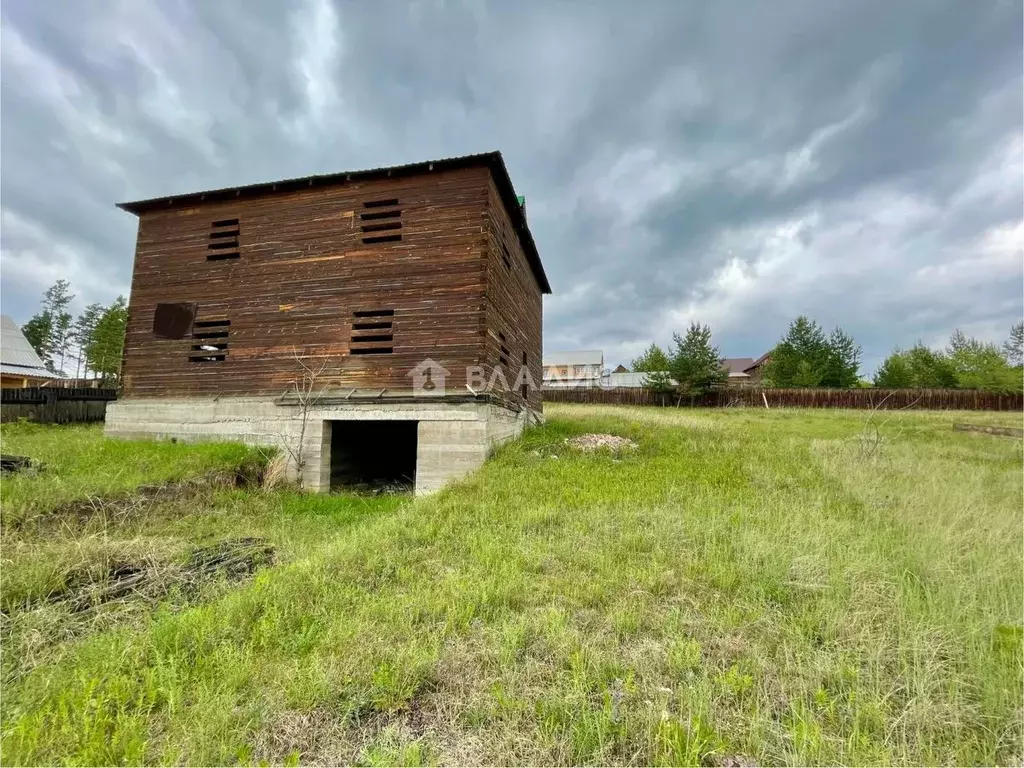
887, 399
54, 405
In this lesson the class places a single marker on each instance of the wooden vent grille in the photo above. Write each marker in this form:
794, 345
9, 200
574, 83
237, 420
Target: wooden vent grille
380, 222
209, 341
372, 332
223, 242
503, 353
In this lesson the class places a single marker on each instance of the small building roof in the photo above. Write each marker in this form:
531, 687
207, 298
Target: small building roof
737, 364
575, 357
514, 204
16, 355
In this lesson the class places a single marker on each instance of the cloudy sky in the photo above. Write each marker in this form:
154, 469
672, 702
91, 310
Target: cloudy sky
736, 163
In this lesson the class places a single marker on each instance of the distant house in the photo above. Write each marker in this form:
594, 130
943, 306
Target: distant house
20, 366
579, 368
621, 369
745, 370
627, 379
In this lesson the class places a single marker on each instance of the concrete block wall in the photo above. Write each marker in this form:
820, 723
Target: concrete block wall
453, 439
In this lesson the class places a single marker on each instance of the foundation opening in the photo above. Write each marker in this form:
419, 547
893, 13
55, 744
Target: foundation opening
373, 455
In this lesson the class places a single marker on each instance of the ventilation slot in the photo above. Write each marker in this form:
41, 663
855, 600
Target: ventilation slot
209, 341
505, 258
372, 336
379, 225
223, 242
503, 353
524, 390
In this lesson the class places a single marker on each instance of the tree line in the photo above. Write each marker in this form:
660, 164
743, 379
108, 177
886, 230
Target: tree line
807, 356
92, 342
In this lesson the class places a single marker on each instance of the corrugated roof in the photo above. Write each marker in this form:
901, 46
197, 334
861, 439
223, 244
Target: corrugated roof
575, 357
491, 160
16, 353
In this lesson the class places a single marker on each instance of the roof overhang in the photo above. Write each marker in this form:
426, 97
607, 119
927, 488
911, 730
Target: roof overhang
491, 160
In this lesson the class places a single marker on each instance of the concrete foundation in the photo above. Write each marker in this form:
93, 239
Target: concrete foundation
452, 438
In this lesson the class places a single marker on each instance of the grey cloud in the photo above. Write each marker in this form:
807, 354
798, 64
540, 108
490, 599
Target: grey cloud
660, 146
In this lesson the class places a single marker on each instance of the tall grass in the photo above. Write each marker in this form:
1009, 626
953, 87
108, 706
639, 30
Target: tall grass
785, 587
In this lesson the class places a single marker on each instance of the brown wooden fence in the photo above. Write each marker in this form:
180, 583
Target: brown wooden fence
888, 399
49, 405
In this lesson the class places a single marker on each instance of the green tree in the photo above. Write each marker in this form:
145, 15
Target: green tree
843, 361
653, 359
806, 357
83, 329
695, 363
977, 365
37, 332
62, 338
1013, 347
48, 330
103, 352
654, 362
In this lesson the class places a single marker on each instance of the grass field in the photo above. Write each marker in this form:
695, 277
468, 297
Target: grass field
790, 587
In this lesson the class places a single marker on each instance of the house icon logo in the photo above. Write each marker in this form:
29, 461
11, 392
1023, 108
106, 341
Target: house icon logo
428, 378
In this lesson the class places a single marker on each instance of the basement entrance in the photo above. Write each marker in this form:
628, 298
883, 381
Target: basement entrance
373, 455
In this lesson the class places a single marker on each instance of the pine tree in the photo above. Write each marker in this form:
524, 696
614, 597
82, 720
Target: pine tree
107, 343
695, 363
806, 357
654, 362
1013, 347
83, 330
37, 331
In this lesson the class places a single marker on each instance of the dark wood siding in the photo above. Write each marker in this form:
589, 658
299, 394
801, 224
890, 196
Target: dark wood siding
301, 272
513, 302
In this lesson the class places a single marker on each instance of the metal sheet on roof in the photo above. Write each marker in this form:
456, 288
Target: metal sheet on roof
575, 357
15, 349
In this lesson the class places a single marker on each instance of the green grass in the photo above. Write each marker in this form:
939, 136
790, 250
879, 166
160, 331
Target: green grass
787, 586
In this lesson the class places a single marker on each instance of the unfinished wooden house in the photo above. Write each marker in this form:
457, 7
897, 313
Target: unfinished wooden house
379, 325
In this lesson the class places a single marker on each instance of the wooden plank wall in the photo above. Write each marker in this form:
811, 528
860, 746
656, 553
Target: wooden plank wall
884, 399
302, 271
514, 304
48, 405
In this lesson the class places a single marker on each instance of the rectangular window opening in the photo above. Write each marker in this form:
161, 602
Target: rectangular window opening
380, 343
374, 313
370, 326
382, 239
210, 341
380, 203
223, 243
380, 215
382, 227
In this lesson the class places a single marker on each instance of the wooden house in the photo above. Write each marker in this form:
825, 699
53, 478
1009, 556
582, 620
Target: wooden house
389, 308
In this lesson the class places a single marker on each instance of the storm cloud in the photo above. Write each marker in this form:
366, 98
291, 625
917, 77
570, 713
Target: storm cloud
736, 163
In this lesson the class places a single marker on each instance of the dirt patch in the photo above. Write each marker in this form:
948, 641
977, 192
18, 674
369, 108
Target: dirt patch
597, 442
